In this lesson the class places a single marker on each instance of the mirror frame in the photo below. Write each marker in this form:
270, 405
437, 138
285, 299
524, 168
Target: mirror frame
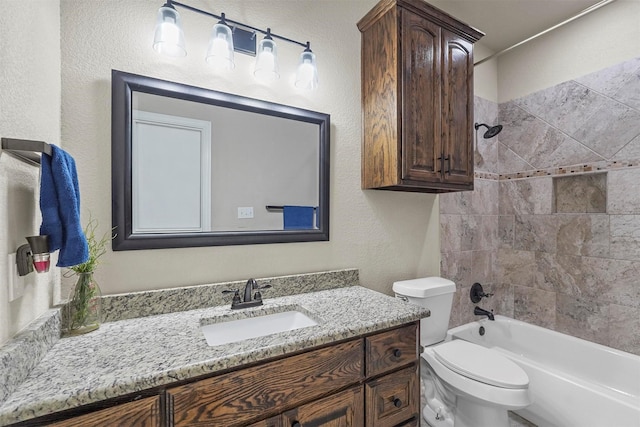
122, 87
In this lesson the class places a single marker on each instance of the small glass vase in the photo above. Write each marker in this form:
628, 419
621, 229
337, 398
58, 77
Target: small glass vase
84, 309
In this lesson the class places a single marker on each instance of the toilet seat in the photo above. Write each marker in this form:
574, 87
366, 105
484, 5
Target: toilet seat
472, 381
481, 364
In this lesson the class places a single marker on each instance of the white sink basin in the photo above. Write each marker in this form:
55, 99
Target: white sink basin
228, 331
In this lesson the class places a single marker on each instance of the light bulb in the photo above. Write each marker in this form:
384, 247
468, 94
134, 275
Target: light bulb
266, 68
307, 74
168, 37
220, 51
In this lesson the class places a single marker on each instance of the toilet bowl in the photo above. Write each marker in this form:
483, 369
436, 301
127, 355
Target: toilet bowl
485, 384
462, 384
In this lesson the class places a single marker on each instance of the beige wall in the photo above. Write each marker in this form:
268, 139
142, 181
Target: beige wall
608, 36
485, 75
30, 109
387, 235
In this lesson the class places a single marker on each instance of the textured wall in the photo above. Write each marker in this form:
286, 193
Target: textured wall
30, 109
565, 246
601, 39
469, 224
387, 235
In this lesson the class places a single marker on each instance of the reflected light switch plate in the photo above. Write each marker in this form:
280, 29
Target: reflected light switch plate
244, 213
16, 283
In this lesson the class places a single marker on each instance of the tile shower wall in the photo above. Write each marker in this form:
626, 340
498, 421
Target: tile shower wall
560, 253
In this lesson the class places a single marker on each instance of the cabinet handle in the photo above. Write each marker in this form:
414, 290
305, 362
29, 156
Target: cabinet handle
397, 352
448, 160
441, 161
296, 424
397, 402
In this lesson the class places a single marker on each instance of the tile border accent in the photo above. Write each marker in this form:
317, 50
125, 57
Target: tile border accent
602, 166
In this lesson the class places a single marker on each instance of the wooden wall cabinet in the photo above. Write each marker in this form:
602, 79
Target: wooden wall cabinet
417, 98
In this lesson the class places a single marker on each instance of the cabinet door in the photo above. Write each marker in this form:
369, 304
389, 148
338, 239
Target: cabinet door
421, 99
393, 399
142, 413
457, 109
345, 409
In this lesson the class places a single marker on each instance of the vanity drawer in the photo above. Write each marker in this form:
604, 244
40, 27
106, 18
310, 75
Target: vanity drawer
392, 399
143, 413
391, 349
343, 409
235, 398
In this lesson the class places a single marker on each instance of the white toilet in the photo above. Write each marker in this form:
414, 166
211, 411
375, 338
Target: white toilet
463, 384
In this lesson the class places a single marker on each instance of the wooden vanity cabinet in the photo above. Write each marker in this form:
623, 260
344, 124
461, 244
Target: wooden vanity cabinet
369, 381
417, 98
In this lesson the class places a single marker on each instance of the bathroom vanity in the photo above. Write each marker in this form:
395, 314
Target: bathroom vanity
357, 367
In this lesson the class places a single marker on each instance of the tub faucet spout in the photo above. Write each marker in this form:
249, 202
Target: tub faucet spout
482, 312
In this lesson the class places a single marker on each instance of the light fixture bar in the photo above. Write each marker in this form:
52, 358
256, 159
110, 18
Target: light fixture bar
255, 29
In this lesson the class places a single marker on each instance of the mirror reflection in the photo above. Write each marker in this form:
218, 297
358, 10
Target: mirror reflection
195, 167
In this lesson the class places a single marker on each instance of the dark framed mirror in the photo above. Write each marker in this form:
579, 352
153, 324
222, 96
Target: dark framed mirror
197, 167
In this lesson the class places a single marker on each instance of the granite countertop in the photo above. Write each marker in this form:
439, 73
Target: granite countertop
132, 355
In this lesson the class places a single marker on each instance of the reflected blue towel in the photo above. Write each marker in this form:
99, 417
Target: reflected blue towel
298, 217
60, 207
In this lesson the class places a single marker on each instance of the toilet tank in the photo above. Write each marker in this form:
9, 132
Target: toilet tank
434, 293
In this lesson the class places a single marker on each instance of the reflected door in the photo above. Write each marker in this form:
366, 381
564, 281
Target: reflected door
171, 188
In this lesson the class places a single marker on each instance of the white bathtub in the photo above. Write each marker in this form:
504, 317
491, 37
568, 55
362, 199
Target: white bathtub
573, 382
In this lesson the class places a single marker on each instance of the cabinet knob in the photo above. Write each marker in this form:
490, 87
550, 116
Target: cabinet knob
397, 402
296, 424
397, 352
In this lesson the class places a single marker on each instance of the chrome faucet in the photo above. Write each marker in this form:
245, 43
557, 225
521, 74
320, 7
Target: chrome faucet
250, 299
482, 312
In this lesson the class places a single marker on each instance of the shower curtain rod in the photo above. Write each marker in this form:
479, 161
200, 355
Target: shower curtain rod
566, 21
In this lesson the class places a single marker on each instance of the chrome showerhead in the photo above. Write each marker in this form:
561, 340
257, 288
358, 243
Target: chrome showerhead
491, 130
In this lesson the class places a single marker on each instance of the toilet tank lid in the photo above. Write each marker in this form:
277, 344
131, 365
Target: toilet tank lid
424, 287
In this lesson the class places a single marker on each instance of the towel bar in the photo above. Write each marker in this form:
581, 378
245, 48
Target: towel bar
279, 208
26, 149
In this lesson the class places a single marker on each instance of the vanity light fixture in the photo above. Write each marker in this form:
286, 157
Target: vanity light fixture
220, 51
227, 37
168, 38
307, 74
266, 68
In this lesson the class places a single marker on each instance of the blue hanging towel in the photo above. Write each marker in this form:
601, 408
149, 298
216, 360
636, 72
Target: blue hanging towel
298, 217
60, 207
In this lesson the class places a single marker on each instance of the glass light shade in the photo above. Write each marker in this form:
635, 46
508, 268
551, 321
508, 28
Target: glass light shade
220, 51
307, 74
169, 37
266, 68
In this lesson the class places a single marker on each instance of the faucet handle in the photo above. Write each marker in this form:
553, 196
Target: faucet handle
236, 296
477, 293
258, 295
